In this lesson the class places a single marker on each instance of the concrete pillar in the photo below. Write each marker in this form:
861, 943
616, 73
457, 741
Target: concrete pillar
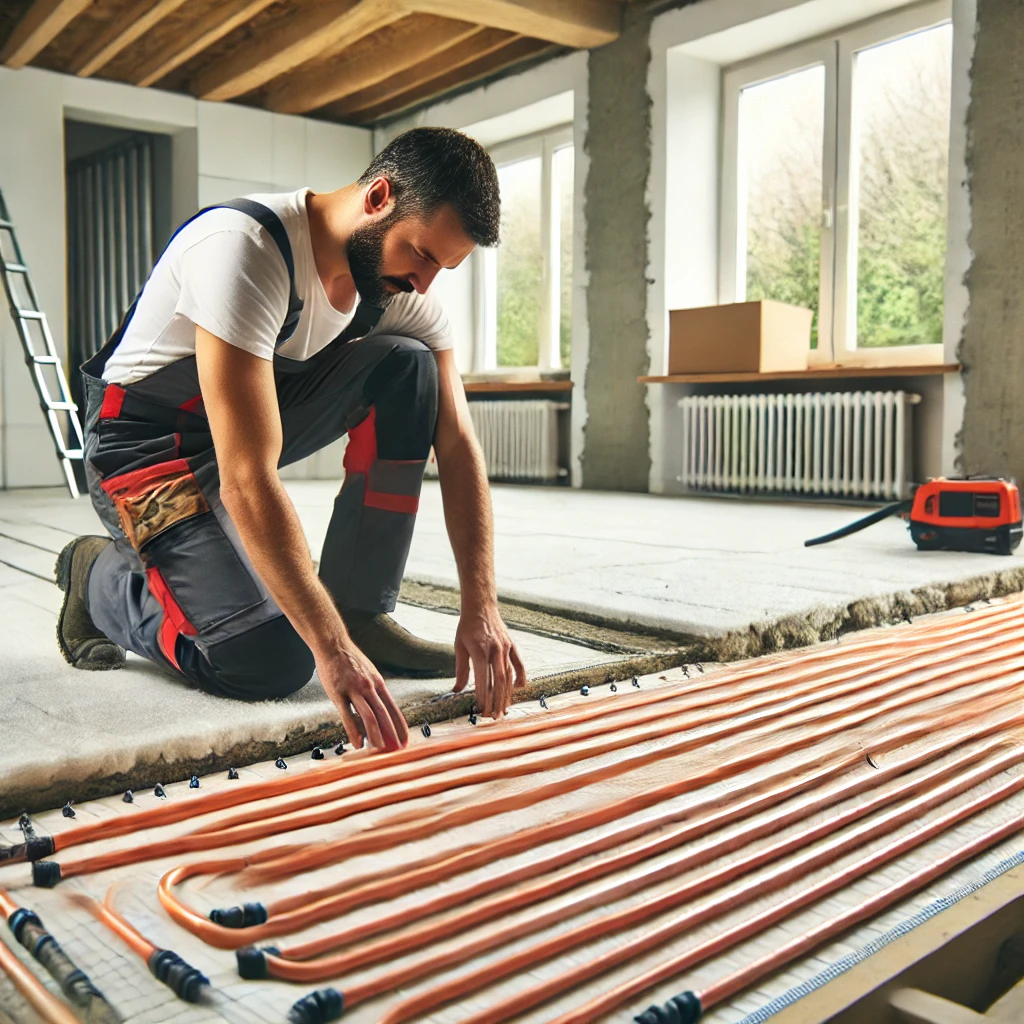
992, 350
616, 449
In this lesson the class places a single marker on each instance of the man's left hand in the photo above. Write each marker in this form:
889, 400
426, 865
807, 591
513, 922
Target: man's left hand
482, 641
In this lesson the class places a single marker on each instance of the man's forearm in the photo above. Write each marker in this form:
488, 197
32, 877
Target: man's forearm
467, 514
272, 536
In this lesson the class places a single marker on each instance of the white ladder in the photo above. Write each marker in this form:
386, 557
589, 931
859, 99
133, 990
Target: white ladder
25, 311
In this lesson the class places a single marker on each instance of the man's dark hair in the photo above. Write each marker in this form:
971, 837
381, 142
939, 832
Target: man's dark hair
428, 167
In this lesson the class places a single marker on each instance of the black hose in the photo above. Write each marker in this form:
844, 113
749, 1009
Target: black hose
80, 991
895, 509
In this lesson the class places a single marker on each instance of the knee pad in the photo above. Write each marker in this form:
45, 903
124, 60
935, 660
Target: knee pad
267, 662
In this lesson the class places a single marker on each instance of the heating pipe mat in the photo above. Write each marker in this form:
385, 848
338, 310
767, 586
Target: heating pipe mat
693, 846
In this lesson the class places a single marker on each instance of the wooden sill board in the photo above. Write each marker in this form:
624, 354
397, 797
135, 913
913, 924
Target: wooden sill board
480, 386
813, 373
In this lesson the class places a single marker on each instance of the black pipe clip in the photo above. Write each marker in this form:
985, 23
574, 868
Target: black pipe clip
319, 1007
281, 763
193, 783
128, 797
45, 874
232, 773
181, 978
252, 962
159, 791
317, 754
684, 1008
248, 915
67, 810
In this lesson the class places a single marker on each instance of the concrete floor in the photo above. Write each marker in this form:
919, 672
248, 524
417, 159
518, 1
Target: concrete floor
705, 567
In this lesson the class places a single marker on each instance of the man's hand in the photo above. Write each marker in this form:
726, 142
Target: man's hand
361, 696
482, 641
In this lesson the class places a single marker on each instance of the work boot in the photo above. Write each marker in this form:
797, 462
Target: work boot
81, 643
395, 650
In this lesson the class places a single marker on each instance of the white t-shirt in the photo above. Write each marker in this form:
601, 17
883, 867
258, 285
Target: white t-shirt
225, 273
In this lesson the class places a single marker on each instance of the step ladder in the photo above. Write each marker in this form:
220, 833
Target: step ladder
40, 355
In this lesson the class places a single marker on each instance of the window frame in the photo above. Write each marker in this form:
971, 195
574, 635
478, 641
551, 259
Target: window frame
837, 305
543, 145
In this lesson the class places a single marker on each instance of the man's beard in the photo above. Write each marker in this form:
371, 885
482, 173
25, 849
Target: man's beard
365, 252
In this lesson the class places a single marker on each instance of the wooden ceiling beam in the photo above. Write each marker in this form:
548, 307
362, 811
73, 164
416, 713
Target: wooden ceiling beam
202, 35
283, 47
513, 50
578, 23
411, 43
38, 27
478, 45
129, 26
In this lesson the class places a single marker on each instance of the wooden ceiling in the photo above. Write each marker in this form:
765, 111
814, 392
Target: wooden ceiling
355, 61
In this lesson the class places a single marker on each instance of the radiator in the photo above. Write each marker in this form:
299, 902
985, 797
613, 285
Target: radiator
850, 444
519, 439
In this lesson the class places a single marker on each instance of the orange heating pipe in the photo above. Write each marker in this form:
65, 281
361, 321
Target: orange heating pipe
514, 748
46, 872
301, 911
694, 1004
333, 966
859, 649
777, 878
321, 854
514, 900
181, 978
47, 1005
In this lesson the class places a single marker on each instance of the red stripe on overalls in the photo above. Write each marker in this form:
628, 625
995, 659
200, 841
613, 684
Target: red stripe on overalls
113, 399
360, 455
175, 621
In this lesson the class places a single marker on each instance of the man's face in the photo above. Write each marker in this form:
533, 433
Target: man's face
386, 257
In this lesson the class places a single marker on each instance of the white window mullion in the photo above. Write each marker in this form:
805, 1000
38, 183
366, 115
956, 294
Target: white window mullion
548, 358
844, 326
826, 352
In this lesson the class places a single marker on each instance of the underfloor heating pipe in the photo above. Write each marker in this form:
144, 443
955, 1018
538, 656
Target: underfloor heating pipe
27, 928
181, 978
755, 888
377, 886
700, 818
782, 689
513, 901
990, 652
900, 638
325, 968
47, 1005
382, 837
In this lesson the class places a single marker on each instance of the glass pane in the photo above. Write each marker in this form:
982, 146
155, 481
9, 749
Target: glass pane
519, 264
901, 162
781, 138
563, 175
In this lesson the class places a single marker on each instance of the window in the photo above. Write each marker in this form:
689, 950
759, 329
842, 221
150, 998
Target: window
836, 160
526, 295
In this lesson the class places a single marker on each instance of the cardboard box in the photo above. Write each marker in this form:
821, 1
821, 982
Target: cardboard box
742, 337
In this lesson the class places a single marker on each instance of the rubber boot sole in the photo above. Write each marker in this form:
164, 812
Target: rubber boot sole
112, 659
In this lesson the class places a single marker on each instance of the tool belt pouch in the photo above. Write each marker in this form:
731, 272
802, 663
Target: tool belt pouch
151, 500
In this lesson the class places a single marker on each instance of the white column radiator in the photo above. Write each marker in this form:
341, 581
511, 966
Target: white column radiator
850, 444
519, 438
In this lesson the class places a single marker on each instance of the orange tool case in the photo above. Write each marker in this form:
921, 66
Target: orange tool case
973, 514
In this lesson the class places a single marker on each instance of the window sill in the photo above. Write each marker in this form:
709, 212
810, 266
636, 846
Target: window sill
812, 373
508, 385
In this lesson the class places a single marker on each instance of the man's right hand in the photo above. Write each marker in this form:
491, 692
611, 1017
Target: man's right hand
361, 696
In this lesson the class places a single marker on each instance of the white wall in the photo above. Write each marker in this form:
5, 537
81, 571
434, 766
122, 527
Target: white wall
531, 101
219, 151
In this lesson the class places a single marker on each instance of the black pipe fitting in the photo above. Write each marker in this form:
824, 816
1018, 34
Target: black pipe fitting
128, 797
281, 763
45, 874
248, 915
340, 748
21, 917
232, 773
39, 847
67, 810
193, 783
25, 824
684, 1008
252, 962
159, 791
317, 754
319, 1007
584, 691
181, 978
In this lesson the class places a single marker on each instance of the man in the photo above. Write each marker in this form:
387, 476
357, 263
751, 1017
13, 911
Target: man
270, 327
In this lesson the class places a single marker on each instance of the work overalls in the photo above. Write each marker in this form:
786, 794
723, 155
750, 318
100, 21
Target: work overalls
176, 586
